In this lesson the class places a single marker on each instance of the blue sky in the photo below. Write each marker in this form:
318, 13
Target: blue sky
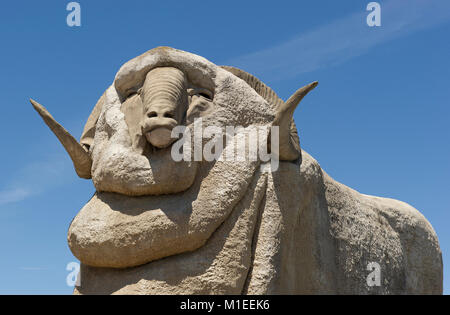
378, 121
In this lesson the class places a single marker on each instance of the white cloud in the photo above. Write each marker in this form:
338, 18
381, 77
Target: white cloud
344, 39
36, 178
13, 195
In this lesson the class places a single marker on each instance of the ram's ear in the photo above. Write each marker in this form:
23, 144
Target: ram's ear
81, 159
133, 109
87, 137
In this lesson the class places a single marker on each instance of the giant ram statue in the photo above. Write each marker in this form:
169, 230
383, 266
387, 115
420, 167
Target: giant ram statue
157, 225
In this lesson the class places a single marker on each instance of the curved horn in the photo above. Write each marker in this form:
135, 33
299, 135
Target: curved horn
80, 158
289, 148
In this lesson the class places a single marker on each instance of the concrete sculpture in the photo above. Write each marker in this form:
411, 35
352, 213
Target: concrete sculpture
226, 226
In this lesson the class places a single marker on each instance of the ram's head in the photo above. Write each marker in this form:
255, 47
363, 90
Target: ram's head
149, 206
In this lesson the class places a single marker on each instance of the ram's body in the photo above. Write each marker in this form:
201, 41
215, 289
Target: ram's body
157, 226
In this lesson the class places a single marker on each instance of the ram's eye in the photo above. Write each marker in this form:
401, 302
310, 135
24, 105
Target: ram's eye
201, 92
205, 95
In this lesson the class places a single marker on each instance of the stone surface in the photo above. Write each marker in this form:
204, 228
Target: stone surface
294, 232
157, 226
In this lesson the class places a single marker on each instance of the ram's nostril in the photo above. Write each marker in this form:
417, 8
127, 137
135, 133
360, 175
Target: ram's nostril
168, 115
152, 115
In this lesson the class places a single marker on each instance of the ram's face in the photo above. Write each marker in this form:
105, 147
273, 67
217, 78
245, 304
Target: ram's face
151, 95
169, 99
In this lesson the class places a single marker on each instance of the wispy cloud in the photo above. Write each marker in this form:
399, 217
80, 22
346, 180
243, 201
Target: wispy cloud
35, 178
13, 195
344, 39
